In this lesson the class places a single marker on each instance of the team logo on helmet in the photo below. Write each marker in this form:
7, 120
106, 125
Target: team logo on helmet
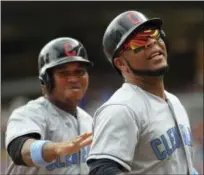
68, 49
133, 18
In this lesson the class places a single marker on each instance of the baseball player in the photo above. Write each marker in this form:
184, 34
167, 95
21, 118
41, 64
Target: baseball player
52, 135
142, 128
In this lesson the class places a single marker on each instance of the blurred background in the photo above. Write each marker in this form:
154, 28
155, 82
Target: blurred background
27, 26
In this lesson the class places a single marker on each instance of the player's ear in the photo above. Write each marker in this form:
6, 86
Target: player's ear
119, 63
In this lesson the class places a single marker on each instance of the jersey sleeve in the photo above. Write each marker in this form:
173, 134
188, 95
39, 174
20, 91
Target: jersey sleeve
115, 135
25, 121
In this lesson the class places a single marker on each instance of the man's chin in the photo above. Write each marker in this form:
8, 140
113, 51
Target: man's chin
75, 95
157, 72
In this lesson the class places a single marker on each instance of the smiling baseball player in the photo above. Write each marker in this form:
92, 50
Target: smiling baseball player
142, 128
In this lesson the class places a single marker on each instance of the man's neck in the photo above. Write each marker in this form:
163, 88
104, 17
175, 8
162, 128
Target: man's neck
153, 85
69, 107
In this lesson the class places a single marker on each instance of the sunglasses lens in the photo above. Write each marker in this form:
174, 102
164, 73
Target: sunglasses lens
148, 33
133, 44
155, 34
141, 39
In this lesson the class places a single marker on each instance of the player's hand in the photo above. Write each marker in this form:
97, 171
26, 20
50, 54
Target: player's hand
74, 145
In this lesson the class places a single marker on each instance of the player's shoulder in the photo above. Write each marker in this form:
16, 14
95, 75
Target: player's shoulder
127, 95
32, 106
127, 99
172, 97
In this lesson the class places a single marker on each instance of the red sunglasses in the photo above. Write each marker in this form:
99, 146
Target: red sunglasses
139, 41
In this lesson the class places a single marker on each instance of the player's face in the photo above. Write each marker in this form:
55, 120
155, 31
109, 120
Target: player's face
146, 51
70, 82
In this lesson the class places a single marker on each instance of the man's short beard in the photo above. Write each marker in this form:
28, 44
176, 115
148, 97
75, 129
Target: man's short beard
153, 73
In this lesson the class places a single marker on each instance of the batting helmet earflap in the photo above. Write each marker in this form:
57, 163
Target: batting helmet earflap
122, 27
57, 52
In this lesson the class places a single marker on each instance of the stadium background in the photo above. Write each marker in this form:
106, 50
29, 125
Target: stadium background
27, 26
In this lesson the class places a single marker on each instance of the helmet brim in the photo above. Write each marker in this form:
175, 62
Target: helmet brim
66, 60
154, 22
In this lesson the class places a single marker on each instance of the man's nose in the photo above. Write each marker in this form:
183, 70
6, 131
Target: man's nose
150, 42
73, 78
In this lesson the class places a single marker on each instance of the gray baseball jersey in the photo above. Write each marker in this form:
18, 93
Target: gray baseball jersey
42, 117
137, 129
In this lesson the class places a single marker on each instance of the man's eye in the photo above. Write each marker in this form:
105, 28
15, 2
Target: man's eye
80, 72
74, 73
63, 73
